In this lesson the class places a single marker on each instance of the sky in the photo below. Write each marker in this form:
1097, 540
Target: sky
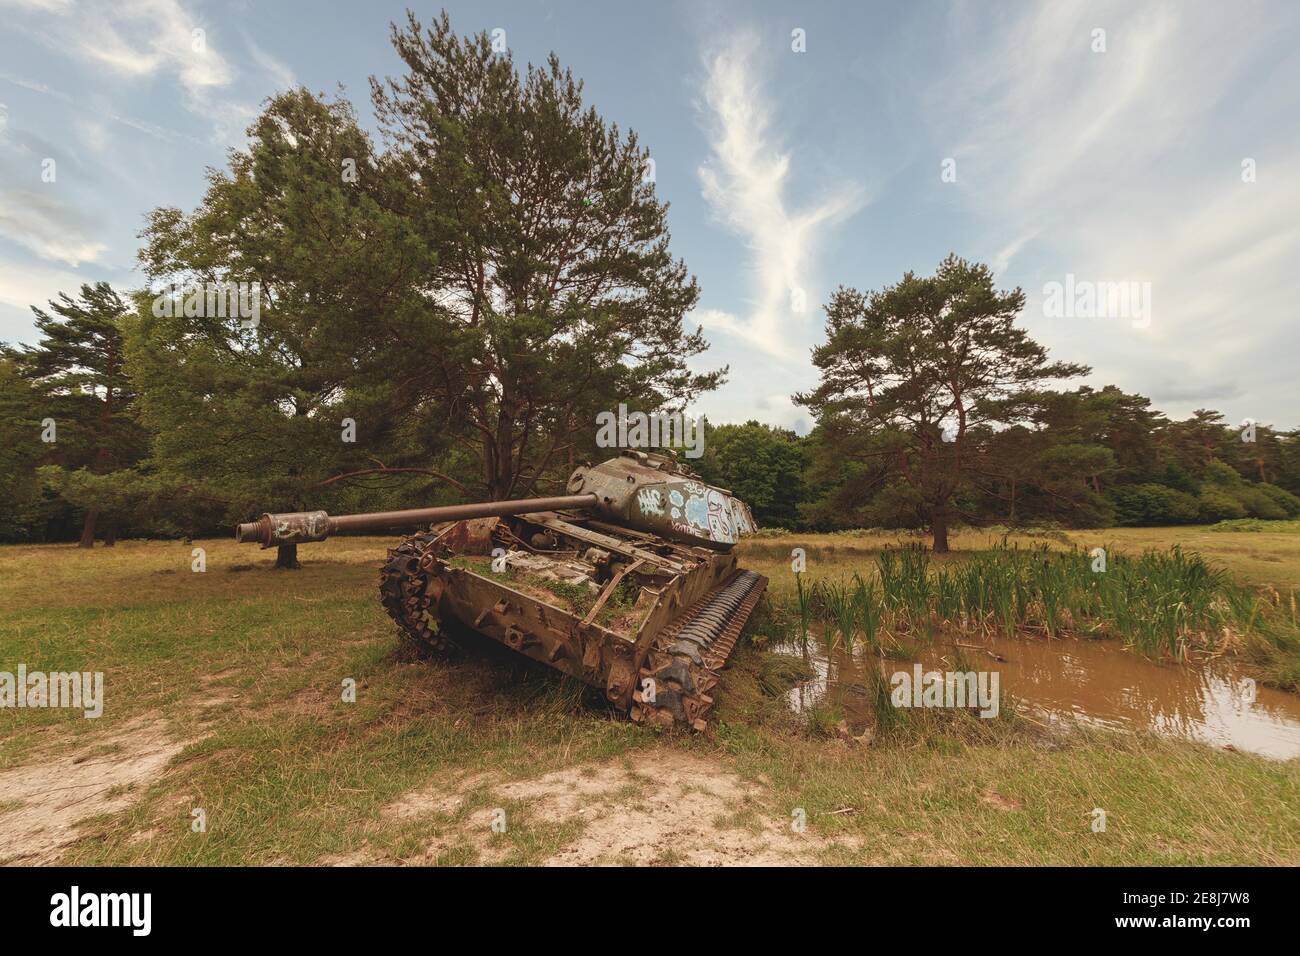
1076, 148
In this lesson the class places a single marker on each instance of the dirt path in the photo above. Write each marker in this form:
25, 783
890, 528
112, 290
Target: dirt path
659, 806
42, 802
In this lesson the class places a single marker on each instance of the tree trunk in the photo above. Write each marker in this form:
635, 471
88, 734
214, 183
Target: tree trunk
110, 534
88, 529
286, 556
939, 529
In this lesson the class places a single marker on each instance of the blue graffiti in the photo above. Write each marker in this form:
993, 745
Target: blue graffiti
697, 511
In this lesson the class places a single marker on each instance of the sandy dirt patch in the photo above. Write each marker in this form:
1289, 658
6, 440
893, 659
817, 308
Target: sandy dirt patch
656, 807
43, 801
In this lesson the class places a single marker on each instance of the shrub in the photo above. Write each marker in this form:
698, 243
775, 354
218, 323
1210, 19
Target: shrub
1154, 505
1215, 504
1247, 524
1258, 504
1225, 476
1284, 499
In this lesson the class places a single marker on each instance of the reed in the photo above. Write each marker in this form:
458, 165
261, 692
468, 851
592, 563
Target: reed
841, 605
1160, 602
805, 611
870, 610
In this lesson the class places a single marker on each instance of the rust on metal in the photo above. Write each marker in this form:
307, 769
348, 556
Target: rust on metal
514, 572
613, 584
275, 529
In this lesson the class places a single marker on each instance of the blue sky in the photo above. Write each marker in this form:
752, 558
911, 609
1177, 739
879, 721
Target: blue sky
1115, 157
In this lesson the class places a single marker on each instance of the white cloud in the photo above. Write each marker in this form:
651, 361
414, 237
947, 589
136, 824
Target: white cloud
93, 133
718, 319
42, 224
744, 182
22, 286
1002, 260
1124, 165
138, 39
47, 6
143, 37
91, 113
281, 75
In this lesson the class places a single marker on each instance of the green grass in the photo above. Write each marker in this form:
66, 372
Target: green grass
1165, 603
1016, 803
1269, 557
247, 666
1160, 602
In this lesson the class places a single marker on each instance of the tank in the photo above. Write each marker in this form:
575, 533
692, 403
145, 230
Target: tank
629, 582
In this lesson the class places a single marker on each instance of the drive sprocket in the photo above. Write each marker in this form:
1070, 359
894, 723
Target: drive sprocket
404, 591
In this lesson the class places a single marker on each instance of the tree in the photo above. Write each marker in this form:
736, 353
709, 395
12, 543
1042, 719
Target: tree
250, 413
1054, 467
1199, 440
919, 374
20, 451
554, 295
78, 377
1151, 504
1289, 460
761, 464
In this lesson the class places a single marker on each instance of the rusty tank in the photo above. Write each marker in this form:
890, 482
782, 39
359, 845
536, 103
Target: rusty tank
629, 582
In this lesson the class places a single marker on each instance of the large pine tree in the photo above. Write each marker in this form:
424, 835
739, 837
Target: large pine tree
79, 380
248, 412
916, 377
554, 294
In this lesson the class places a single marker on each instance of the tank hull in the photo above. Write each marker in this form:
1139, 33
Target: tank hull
626, 612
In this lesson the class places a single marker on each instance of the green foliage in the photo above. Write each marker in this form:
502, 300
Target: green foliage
249, 417
1216, 504
1289, 503
558, 294
1221, 475
761, 464
1162, 602
22, 510
1255, 525
1258, 504
1149, 504
78, 381
925, 371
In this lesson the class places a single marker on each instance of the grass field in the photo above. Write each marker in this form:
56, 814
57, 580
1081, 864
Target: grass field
224, 694
1269, 558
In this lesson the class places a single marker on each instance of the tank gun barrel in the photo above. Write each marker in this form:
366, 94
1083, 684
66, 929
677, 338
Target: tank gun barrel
303, 526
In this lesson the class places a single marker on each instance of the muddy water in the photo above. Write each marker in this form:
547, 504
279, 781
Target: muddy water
1098, 683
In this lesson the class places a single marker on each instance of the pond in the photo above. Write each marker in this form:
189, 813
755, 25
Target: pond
1096, 683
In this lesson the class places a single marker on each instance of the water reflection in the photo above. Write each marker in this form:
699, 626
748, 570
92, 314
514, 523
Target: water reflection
1094, 682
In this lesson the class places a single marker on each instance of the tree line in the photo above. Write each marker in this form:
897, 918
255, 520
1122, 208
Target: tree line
441, 316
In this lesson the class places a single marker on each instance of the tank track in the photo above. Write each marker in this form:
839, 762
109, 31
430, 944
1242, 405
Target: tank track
403, 589
682, 669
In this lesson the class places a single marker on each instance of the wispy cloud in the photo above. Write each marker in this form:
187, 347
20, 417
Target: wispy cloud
1125, 165
138, 39
33, 285
281, 75
745, 181
46, 226
141, 38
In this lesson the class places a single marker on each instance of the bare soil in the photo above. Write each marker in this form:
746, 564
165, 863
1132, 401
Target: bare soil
658, 806
43, 802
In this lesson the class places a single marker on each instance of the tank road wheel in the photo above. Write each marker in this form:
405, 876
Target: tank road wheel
404, 592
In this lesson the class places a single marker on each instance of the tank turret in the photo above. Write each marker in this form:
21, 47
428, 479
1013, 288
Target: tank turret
647, 492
